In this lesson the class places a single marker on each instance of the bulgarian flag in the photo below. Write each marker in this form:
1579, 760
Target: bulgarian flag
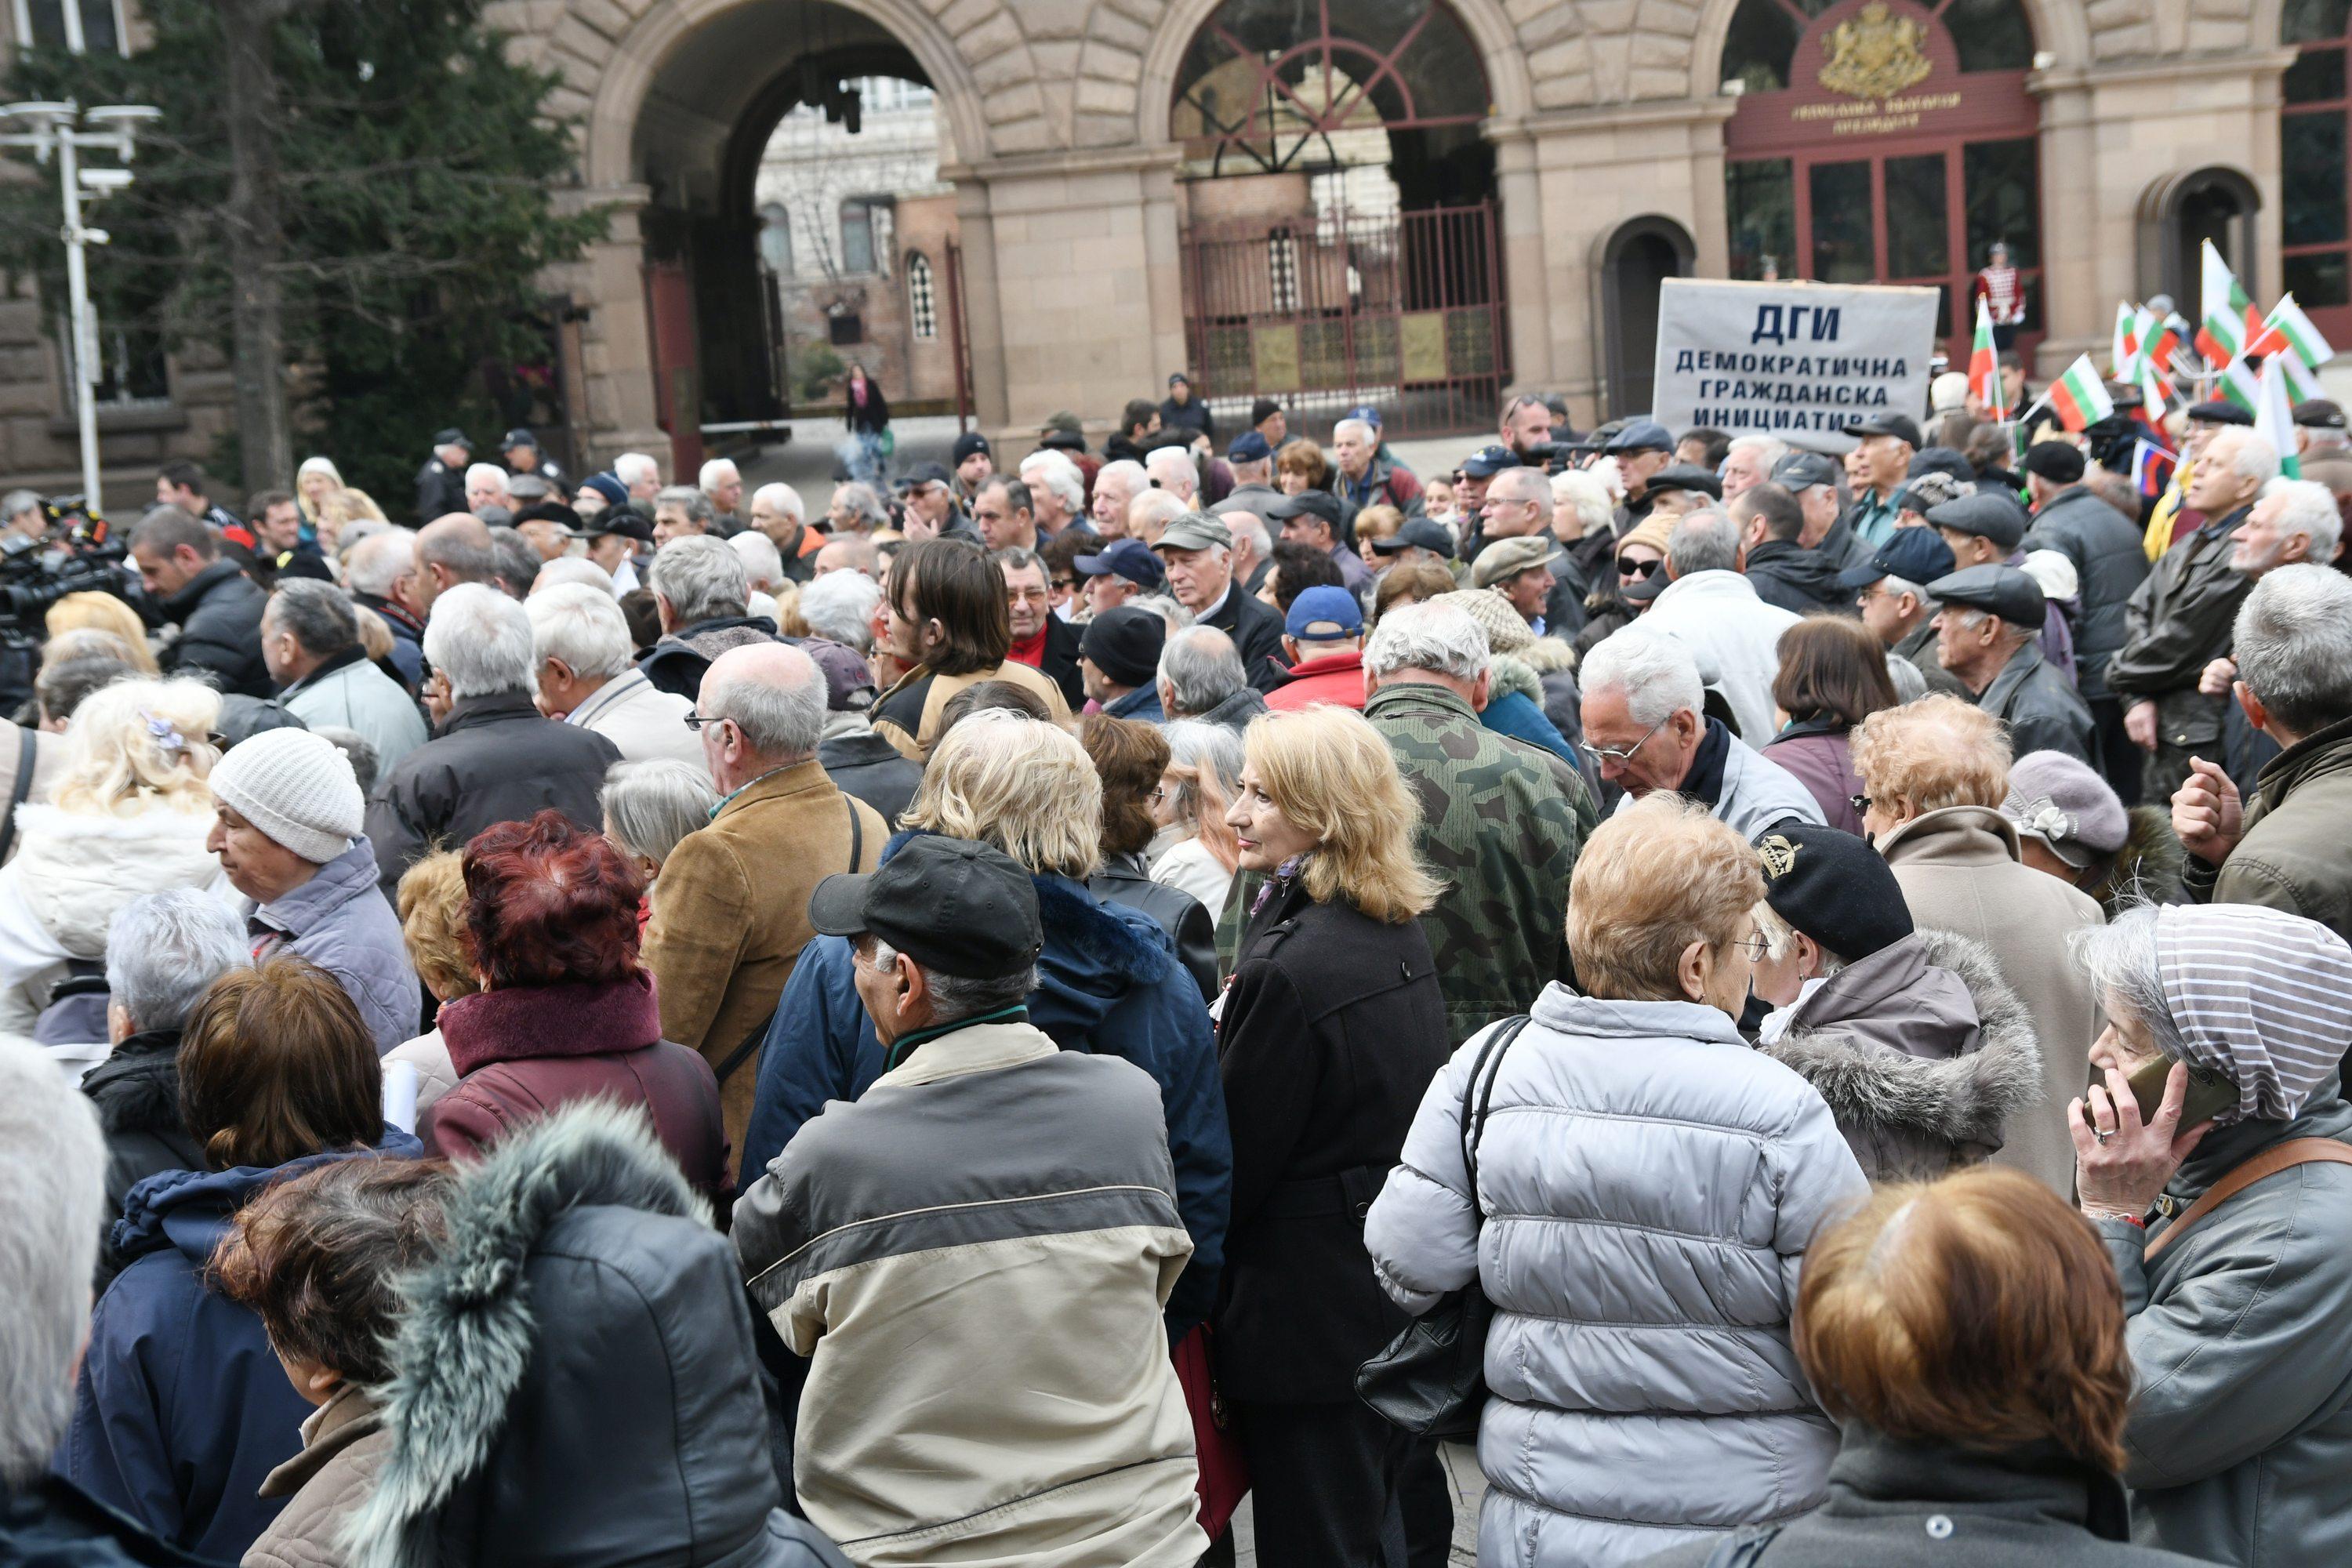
2241, 384
1984, 365
2122, 355
2274, 417
2155, 395
2079, 397
2230, 321
2286, 330
2169, 337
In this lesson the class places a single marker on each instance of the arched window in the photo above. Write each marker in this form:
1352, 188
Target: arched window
923, 305
2316, 244
866, 236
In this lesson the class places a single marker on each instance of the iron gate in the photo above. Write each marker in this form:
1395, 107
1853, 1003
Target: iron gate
1403, 311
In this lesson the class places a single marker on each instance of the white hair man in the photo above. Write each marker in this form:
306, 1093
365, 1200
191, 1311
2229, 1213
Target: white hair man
1201, 677
572, 571
163, 951
1057, 491
379, 569
763, 565
730, 912
839, 606
1361, 477
640, 473
587, 675
780, 516
310, 640
1715, 612
703, 593
485, 488
722, 482
1197, 552
1171, 468
494, 758
1748, 463
1117, 484
1646, 729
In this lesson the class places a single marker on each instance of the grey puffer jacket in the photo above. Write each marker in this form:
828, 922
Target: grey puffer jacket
2240, 1446
1649, 1185
340, 921
1921, 1052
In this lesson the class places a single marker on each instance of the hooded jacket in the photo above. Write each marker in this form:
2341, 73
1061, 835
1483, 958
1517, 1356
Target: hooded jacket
182, 1409
219, 612
573, 1382
136, 1093
1650, 1186
340, 920
1109, 983
1798, 580
1921, 1053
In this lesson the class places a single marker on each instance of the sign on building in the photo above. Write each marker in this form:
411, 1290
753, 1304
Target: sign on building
1800, 361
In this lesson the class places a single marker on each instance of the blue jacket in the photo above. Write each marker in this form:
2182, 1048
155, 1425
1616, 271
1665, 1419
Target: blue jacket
182, 1408
1107, 981
340, 921
1515, 714
1141, 704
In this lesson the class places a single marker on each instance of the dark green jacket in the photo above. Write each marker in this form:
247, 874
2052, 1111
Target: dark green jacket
1500, 827
2295, 852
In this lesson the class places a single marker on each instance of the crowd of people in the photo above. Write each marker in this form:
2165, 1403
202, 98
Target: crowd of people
631, 1022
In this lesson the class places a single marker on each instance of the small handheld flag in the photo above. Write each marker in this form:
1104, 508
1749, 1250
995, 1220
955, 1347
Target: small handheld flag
1984, 365
2080, 397
2229, 321
2152, 467
2274, 419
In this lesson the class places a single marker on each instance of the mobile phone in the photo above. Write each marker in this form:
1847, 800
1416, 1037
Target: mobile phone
2211, 1091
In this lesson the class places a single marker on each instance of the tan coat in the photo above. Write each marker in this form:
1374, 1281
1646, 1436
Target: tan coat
1959, 872
918, 697
343, 1446
730, 916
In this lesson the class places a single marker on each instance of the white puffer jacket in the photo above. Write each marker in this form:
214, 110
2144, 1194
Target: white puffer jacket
1649, 1185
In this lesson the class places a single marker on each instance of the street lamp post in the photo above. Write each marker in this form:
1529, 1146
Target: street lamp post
66, 132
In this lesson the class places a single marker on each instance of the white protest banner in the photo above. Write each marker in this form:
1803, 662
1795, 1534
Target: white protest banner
1798, 361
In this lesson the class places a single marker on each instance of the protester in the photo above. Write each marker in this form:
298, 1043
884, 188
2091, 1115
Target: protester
310, 640
1193, 850
1322, 638
1715, 612
216, 605
2109, 563
1129, 757
1049, 1446
949, 626
1201, 676
1833, 676
1118, 662
1196, 551
2072, 825
1333, 1026
2295, 521
432, 907
585, 674
1781, 568
1630, 1408
1646, 730
1041, 639
1988, 622
1934, 774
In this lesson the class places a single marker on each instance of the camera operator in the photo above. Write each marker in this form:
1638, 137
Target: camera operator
216, 606
21, 513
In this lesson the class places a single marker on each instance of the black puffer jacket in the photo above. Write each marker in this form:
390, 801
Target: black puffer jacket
219, 612
136, 1093
2109, 563
1798, 580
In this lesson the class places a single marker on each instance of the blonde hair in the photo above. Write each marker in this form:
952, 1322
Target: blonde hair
432, 905
1332, 775
138, 742
1378, 523
104, 613
1654, 877
1936, 752
790, 622
375, 637
1025, 786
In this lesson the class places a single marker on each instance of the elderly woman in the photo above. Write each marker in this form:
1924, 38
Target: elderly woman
2072, 825
1301, 467
2212, 1148
182, 1410
1833, 676
566, 1011
1333, 1026
1647, 1189
1193, 850
1131, 757
649, 806
1968, 1338
432, 907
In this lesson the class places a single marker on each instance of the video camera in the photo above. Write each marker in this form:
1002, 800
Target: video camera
80, 556
1558, 456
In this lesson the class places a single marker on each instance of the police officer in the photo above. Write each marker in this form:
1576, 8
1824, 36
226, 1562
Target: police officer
521, 449
441, 483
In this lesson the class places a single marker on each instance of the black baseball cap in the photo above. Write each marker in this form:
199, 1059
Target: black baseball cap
951, 904
926, 474
453, 436
1686, 477
517, 436
1487, 462
1305, 503
1941, 460
1801, 472
1898, 424
1914, 554
1418, 533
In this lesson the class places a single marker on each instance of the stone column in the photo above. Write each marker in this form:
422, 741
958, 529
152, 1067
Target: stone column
616, 370
1526, 302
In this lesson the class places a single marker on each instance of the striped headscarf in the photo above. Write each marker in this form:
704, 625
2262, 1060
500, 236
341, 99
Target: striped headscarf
2260, 994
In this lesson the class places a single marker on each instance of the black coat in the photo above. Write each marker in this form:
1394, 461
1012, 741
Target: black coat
2178, 620
219, 612
2109, 563
1191, 416
1124, 879
2040, 707
493, 760
872, 769
440, 490
1332, 1029
136, 1093
56, 1524
1060, 664
1257, 632
1798, 580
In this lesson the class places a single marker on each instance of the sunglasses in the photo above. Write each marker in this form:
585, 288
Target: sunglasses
1627, 567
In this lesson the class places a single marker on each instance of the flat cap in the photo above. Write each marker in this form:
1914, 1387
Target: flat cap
2319, 414
1914, 554
1686, 477
1418, 533
2219, 411
1307, 503
1506, 558
2004, 591
1941, 460
1195, 530
2060, 462
1643, 436
1901, 425
1988, 514
926, 474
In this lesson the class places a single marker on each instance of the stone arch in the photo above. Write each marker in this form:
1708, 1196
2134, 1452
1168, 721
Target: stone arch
1500, 50
2166, 261
1651, 247
2060, 28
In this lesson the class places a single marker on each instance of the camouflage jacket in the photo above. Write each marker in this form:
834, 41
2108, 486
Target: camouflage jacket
1501, 824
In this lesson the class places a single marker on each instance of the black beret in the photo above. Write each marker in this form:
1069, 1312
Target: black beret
2221, 411
1686, 477
2058, 461
1833, 887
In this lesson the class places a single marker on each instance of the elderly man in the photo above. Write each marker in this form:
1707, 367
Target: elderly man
852, 554
928, 492
1361, 477
1118, 662
682, 511
640, 473
703, 593
1201, 677
1041, 639
1253, 549
1124, 569
1880, 465
1782, 568
1171, 468
1002, 513
1311, 518
2288, 848
1518, 571
1251, 461
778, 512
722, 482
1196, 551
486, 490
493, 758
1421, 539
380, 571
2174, 513
286, 829
1891, 591
1812, 479
216, 606
1116, 487
587, 677
1642, 447
1517, 504
2105, 548
1987, 528
1471, 483
310, 640
1323, 638
1644, 729
450, 550
2296, 521
1500, 823
856, 510
1057, 494
1748, 462
614, 537
730, 910
2177, 620
1714, 610
1987, 624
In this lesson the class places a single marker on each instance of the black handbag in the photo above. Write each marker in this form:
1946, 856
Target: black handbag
1430, 1381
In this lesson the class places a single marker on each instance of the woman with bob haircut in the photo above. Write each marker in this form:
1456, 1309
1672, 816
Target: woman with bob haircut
1833, 676
1969, 1338
432, 910
1193, 848
1107, 977
1331, 1029
1648, 1187
566, 1011
946, 624
182, 1410
1130, 757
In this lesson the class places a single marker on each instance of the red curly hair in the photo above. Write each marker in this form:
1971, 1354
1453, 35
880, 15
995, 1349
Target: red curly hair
549, 901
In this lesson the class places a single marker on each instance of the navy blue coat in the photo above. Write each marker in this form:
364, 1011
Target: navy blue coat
1107, 981
182, 1408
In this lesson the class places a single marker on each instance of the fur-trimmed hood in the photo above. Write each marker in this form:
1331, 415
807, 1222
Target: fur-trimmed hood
1963, 1066
2147, 867
1511, 673
1547, 656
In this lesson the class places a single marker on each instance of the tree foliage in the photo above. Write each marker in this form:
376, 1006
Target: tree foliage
417, 169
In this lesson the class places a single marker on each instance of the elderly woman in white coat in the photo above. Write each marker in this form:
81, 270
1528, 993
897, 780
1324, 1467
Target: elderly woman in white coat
1647, 1187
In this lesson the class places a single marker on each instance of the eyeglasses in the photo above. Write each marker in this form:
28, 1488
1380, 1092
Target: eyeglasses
1600, 754
1861, 803
1756, 945
1627, 567
694, 721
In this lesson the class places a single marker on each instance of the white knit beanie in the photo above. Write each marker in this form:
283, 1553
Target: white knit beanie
295, 787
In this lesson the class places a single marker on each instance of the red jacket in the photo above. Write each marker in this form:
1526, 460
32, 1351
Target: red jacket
523, 1050
1337, 678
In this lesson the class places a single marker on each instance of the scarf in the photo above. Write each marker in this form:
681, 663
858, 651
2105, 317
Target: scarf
2259, 994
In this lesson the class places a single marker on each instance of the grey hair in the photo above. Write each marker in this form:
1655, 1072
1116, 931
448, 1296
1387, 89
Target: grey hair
1201, 668
582, 627
650, 805
2257, 459
1657, 674
1176, 461
572, 572
717, 469
785, 499
865, 505
2126, 974
17, 502
1128, 471
1773, 447
701, 577
53, 1170
1211, 748
1019, 558
357, 750
1049, 470
1245, 524
839, 606
691, 500
318, 614
379, 560
519, 561
481, 639
632, 469
1896, 587
1361, 426
454, 550
484, 472
2310, 512
1588, 495
780, 719
959, 996
1703, 542
2292, 642
763, 564
1438, 639
164, 949
1167, 608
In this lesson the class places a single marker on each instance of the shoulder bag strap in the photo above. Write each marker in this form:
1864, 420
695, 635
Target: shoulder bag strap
1478, 1095
2269, 1163
742, 1053
28, 755
856, 830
